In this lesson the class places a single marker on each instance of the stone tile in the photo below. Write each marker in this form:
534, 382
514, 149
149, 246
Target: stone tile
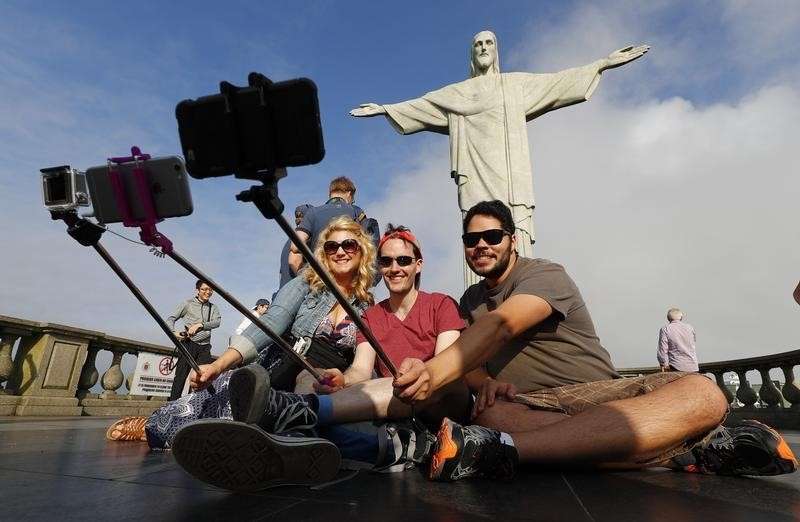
38, 496
667, 495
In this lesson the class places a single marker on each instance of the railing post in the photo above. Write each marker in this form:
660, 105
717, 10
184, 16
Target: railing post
746, 394
769, 393
6, 364
790, 390
719, 377
112, 379
89, 373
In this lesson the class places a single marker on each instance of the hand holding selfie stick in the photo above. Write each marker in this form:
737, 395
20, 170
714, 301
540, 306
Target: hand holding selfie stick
152, 237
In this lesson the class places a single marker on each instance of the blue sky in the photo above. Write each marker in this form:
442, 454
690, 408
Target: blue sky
675, 185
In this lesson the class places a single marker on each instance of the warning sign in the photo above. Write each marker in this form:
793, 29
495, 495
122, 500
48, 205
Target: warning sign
154, 375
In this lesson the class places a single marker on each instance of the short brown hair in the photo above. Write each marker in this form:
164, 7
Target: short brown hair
342, 184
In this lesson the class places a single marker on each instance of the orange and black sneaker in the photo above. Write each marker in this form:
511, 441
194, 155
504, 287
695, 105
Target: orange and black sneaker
750, 448
471, 451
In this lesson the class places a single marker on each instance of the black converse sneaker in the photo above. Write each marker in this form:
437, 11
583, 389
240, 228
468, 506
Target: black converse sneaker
253, 401
750, 448
471, 451
242, 457
249, 389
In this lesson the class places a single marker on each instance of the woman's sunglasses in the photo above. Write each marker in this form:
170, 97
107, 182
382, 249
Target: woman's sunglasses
491, 237
350, 246
386, 261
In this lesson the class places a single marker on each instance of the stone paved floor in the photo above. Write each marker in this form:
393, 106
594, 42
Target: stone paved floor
63, 469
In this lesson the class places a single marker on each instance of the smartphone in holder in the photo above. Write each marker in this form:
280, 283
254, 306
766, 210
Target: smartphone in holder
167, 180
244, 130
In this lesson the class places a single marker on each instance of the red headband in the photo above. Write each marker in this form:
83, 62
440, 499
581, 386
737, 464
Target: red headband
405, 235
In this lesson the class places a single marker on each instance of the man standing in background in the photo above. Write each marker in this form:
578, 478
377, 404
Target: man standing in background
261, 307
341, 195
199, 317
287, 274
676, 344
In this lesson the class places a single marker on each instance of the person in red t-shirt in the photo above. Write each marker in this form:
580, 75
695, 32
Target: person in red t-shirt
410, 323
357, 412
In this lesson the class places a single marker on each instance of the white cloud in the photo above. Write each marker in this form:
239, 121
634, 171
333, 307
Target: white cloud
649, 196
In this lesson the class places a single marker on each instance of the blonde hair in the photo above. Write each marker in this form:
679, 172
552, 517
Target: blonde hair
362, 281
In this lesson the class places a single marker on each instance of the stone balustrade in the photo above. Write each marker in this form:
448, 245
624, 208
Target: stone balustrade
773, 402
55, 369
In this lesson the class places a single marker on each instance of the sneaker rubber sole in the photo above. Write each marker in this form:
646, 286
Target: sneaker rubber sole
249, 390
241, 457
781, 458
446, 449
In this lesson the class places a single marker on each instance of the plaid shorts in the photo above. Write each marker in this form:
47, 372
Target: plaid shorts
575, 398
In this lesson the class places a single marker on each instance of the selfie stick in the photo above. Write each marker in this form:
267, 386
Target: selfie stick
265, 197
152, 237
88, 234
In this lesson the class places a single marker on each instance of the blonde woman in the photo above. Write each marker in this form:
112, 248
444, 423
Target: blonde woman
303, 308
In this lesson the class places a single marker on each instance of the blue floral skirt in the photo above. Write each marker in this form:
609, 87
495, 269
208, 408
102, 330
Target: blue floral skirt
165, 422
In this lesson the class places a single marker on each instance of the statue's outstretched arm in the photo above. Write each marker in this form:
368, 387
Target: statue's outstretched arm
623, 56
368, 109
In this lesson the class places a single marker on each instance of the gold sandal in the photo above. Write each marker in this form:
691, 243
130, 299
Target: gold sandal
127, 428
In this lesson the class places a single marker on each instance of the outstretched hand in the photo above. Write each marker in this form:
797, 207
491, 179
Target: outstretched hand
413, 382
625, 55
368, 109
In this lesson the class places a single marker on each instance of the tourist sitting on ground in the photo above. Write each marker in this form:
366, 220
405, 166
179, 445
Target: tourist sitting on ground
409, 323
551, 397
304, 308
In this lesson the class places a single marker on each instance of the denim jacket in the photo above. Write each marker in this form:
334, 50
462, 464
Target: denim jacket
294, 306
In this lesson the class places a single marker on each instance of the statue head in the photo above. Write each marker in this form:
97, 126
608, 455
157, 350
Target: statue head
483, 55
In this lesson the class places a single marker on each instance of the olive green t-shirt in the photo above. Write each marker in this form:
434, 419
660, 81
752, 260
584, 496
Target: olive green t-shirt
563, 349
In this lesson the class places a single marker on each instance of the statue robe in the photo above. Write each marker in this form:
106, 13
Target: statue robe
485, 117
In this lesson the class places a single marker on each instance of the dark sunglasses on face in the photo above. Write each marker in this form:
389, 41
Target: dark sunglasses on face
491, 237
386, 261
350, 246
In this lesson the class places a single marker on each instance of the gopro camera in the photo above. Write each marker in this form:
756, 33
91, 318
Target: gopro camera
64, 188
247, 131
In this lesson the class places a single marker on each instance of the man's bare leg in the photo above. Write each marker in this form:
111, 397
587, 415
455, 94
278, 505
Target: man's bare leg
624, 431
374, 399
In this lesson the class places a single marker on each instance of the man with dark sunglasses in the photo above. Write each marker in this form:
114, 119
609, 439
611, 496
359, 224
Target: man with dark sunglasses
548, 393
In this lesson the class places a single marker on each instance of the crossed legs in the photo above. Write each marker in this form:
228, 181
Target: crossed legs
620, 433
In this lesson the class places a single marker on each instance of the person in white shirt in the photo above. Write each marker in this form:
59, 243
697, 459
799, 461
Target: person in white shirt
261, 307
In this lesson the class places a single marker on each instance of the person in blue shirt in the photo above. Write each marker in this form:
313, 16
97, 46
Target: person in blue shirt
341, 195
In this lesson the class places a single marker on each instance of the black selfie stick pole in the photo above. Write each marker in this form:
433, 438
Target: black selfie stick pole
265, 197
280, 341
88, 234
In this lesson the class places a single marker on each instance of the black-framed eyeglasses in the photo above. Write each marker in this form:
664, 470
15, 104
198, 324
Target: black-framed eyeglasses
492, 236
386, 261
350, 246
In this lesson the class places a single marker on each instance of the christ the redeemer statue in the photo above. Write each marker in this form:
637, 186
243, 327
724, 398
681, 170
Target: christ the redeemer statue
485, 117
